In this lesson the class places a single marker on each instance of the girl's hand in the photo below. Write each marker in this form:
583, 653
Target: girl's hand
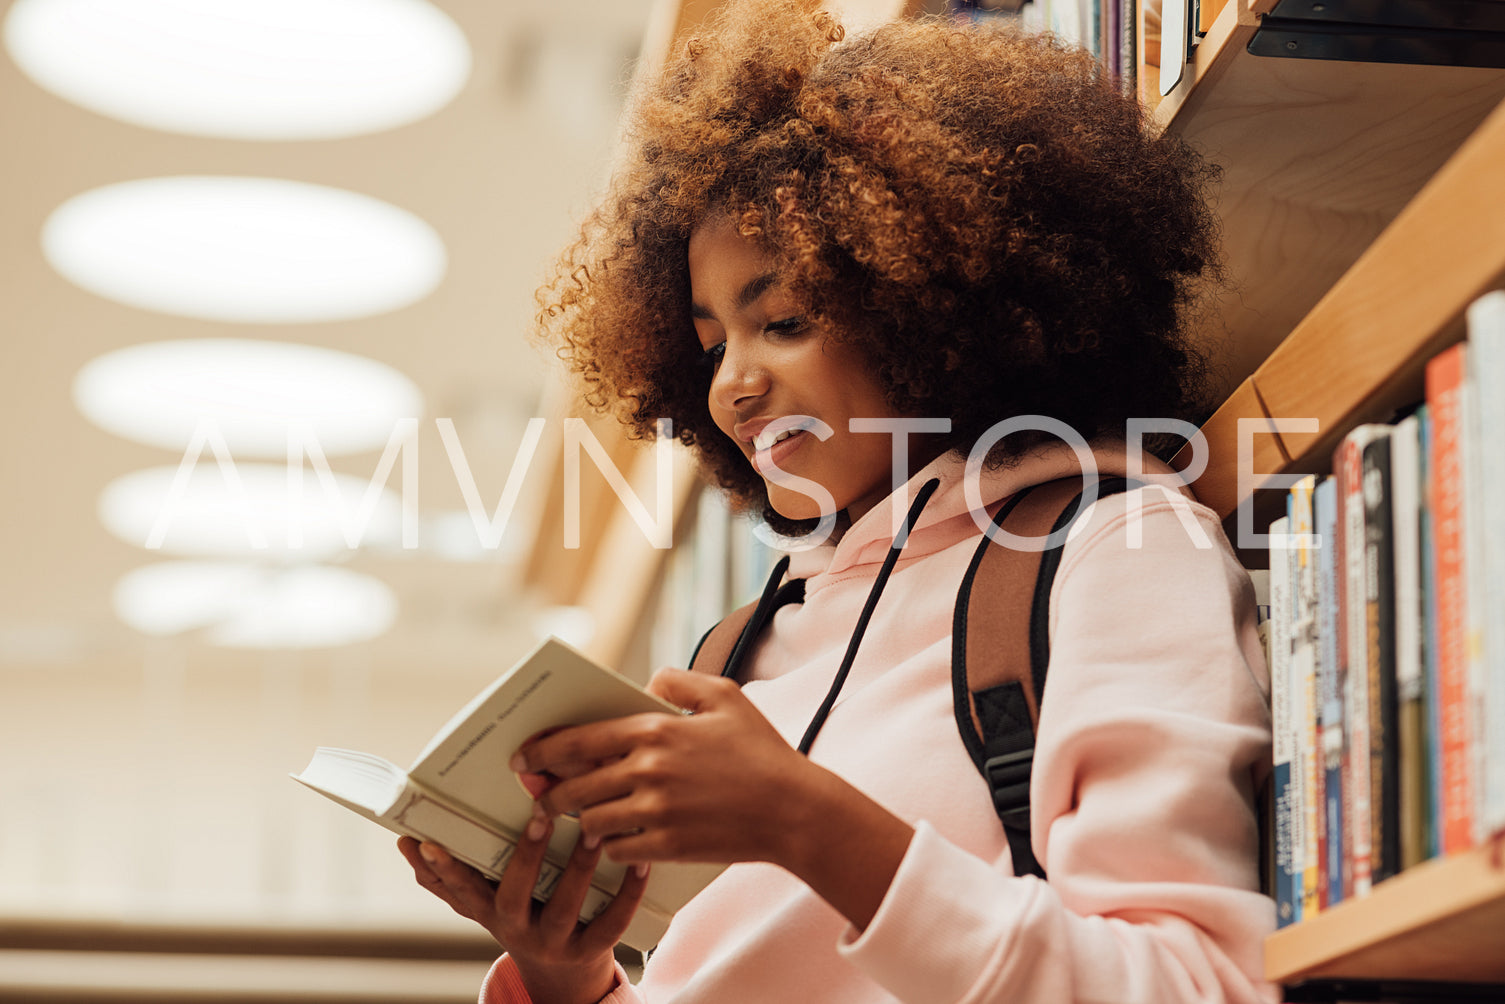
720, 785
558, 958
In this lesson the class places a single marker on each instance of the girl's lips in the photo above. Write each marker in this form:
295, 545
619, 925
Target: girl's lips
774, 456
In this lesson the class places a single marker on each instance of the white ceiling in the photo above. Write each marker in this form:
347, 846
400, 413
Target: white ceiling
502, 173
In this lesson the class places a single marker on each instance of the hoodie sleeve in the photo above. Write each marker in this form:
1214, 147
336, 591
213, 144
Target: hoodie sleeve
1154, 731
504, 985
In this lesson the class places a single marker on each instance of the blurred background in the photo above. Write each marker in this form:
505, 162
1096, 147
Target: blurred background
217, 217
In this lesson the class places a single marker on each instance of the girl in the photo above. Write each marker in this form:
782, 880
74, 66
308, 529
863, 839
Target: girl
837, 266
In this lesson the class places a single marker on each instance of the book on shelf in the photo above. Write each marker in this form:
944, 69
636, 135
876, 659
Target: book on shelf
1444, 390
460, 792
1359, 786
1283, 722
1486, 336
1304, 653
1330, 692
1410, 651
1108, 29
1475, 586
1379, 613
1430, 691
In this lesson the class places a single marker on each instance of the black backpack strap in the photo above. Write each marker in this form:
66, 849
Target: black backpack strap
723, 648
999, 656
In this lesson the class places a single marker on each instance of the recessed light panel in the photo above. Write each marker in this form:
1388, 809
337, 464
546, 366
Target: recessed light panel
256, 250
241, 605
252, 392
248, 509
244, 69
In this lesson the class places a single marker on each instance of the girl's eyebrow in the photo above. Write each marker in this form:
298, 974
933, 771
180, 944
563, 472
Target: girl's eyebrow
749, 295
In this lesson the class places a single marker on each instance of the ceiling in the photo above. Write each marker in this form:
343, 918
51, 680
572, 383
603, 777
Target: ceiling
502, 173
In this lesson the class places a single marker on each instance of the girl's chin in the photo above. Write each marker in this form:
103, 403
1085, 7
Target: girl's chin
793, 505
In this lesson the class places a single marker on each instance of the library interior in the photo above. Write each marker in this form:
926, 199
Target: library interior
182, 625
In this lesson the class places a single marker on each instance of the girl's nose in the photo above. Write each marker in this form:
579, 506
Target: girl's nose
739, 378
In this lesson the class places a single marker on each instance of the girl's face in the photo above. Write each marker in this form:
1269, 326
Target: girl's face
773, 371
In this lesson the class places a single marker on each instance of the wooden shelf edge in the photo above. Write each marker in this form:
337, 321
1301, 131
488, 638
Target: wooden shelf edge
1218, 488
1375, 327
1383, 319
1423, 904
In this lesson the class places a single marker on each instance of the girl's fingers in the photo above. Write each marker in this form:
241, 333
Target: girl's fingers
616, 820
562, 912
607, 784
514, 893
607, 929
428, 878
467, 889
424, 875
566, 752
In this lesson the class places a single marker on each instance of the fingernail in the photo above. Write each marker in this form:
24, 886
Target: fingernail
590, 841
518, 763
429, 853
536, 828
641, 869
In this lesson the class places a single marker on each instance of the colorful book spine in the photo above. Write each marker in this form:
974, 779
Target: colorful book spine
1444, 390
1433, 714
1379, 610
1330, 699
1287, 903
1348, 468
1486, 336
1340, 617
1445, 402
1405, 521
1306, 755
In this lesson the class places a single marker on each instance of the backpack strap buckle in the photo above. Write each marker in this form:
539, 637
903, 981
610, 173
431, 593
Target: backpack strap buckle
1008, 776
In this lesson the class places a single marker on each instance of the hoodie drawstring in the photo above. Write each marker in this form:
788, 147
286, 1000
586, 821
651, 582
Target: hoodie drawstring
926, 490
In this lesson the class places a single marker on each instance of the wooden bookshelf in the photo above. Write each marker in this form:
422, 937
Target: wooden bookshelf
1441, 920
1318, 158
1364, 208
1360, 352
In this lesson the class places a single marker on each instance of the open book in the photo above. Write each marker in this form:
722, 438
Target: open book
461, 794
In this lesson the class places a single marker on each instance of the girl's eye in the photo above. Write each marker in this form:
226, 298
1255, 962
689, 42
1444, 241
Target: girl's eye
788, 326
711, 358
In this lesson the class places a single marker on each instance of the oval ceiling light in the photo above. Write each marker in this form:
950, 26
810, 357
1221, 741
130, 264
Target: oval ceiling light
252, 391
240, 605
244, 69
248, 510
255, 250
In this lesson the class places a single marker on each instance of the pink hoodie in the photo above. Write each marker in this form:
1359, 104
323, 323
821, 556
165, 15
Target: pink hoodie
1153, 738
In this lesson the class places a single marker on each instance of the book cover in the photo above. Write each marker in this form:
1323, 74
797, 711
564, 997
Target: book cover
461, 794
1306, 755
1444, 390
1432, 715
1486, 334
1283, 738
1358, 814
1340, 548
1379, 608
1475, 588
1330, 693
1405, 522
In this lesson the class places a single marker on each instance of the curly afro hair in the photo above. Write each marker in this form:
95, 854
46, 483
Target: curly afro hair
980, 214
